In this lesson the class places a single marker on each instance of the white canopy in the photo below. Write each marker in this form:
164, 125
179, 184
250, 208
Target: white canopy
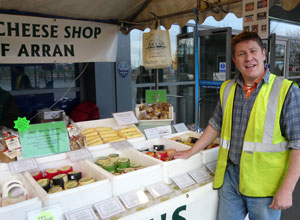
132, 13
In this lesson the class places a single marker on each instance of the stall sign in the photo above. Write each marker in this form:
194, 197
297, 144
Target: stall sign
153, 96
26, 39
44, 139
210, 84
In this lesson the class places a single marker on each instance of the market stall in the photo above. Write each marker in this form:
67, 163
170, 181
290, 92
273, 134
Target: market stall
110, 175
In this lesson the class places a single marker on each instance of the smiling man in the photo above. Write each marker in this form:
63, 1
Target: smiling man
258, 120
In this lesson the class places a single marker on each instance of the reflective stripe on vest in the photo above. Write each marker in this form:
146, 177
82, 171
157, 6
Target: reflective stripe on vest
265, 154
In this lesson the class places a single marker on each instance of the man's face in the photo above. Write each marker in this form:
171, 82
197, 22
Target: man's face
249, 59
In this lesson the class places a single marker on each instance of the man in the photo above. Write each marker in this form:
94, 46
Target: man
22, 80
9, 111
258, 117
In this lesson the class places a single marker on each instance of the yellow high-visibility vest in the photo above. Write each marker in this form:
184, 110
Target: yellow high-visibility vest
265, 155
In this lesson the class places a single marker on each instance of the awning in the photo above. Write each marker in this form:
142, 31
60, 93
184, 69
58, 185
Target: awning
289, 4
131, 14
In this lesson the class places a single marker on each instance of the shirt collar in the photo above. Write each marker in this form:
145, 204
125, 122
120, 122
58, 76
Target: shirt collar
239, 79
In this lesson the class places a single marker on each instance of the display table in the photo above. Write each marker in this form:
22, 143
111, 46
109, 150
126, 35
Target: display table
198, 203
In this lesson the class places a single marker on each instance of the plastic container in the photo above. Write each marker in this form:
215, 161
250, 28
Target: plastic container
72, 198
109, 122
20, 209
138, 179
174, 167
184, 135
154, 123
208, 155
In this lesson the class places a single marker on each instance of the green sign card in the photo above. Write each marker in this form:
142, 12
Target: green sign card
44, 139
153, 96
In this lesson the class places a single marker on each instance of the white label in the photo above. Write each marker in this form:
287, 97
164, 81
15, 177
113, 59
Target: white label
23, 165
125, 118
109, 208
152, 133
180, 127
121, 145
218, 76
159, 189
13, 153
183, 181
199, 175
134, 198
211, 166
165, 130
80, 154
13, 143
85, 213
46, 213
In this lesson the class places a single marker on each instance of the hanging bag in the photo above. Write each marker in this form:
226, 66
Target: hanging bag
157, 49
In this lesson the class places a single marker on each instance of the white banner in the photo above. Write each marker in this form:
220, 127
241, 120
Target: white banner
26, 39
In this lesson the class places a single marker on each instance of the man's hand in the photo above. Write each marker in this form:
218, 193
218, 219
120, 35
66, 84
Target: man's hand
283, 199
183, 154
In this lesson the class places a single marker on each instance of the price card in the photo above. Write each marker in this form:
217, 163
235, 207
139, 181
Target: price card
47, 213
121, 145
13, 143
134, 198
109, 208
199, 175
211, 166
23, 165
125, 118
152, 133
80, 154
180, 127
44, 139
164, 130
85, 213
183, 181
159, 189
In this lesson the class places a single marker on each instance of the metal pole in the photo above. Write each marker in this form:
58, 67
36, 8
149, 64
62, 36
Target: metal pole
156, 79
197, 69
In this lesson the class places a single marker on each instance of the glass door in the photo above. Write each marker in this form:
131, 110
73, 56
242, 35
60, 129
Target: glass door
280, 63
215, 68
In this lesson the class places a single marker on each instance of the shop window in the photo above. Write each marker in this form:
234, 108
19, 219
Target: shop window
39, 86
294, 59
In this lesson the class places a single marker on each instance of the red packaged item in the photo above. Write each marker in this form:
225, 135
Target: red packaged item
37, 175
162, 154
50, 173
65, 170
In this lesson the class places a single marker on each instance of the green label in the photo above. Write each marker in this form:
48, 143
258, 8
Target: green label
44, 139
153, 96
22, 124
45, 216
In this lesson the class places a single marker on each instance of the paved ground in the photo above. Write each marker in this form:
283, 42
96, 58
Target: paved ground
293, 213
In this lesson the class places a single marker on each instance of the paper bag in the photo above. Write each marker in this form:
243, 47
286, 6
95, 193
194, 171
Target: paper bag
157, 49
